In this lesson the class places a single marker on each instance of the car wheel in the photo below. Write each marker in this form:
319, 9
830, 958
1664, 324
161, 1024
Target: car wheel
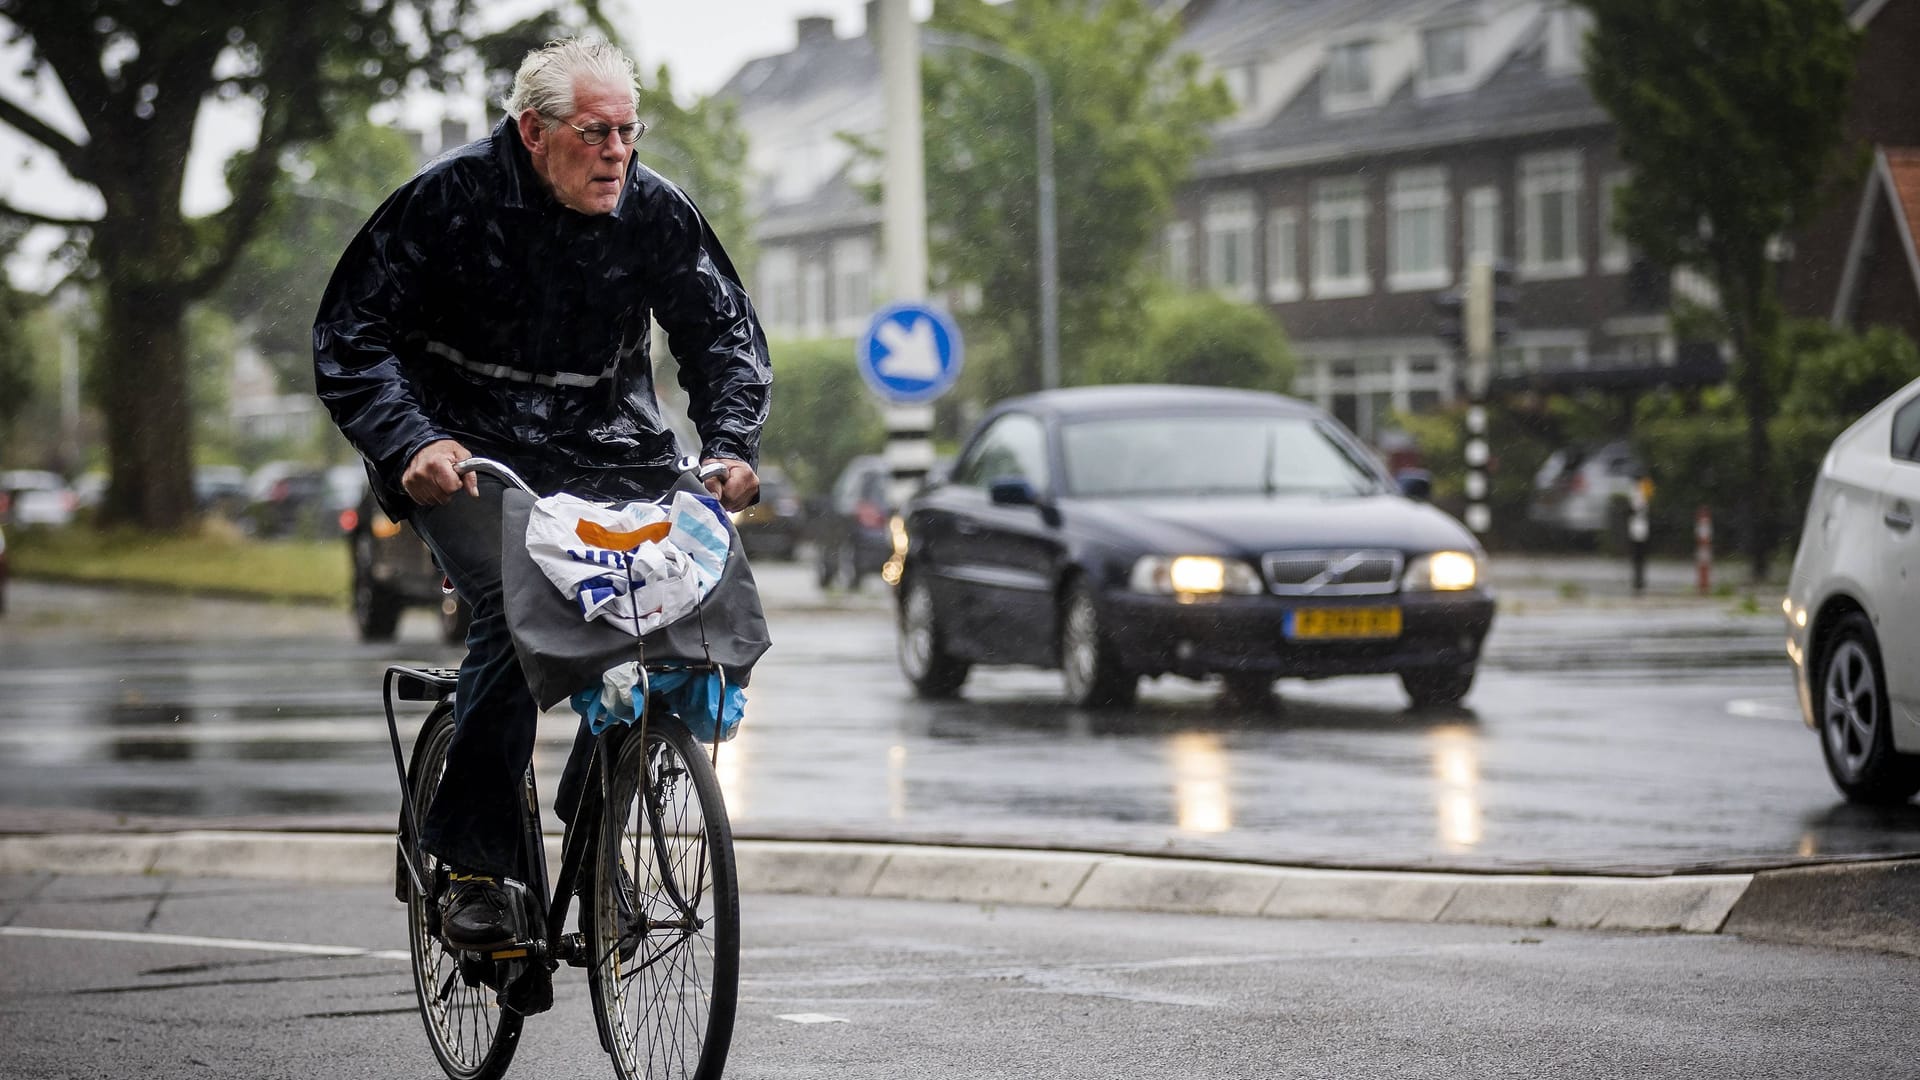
375, 610
1855, 723
1093, 675
455, 618
923, 655
826, 569
1247, 689
1431, 688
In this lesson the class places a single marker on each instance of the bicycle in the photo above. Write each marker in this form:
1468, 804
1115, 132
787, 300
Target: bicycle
650, 850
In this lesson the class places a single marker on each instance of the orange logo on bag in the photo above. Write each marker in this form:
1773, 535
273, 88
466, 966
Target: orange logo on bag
602, 537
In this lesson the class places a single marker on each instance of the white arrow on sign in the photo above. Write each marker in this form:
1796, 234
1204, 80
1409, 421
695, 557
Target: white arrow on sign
911, 352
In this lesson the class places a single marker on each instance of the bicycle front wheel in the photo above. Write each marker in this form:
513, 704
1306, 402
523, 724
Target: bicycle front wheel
473, 1037
664, 939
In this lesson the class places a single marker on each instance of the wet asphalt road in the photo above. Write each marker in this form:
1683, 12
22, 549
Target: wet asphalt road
842, 989
1612, 736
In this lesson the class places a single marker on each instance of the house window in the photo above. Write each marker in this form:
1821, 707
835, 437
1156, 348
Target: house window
1340, 238
780, 288
1417, 202
1614, 255
1229, 225
1243, 84
1481, 238
813, 298
1179, 254
852, 283
1283, 254
1444, 58
1566, 32
1550, 222
1349, 75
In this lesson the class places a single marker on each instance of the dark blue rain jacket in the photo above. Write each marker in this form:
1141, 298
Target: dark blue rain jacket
473, 306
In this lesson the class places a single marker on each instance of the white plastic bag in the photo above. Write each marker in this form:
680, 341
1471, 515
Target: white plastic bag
637, 566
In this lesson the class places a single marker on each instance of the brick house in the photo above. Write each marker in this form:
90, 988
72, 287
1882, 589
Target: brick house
1377, 146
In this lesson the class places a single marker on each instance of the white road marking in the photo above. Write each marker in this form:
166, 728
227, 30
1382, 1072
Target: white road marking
812, 1018
1758, 709
243, 944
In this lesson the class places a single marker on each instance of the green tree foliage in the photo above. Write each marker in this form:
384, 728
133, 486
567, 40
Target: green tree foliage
1730, 115
1129, 117
333, 187
1200, 339
137, 74
16, 359
824, 415
1836, 375
702, 148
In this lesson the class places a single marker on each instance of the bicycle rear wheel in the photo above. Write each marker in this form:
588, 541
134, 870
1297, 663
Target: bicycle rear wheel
473, 1037
664, 943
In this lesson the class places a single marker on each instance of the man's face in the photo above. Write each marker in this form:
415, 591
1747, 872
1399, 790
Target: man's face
584, 178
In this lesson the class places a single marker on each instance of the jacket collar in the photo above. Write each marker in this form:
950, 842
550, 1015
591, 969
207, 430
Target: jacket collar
523, 189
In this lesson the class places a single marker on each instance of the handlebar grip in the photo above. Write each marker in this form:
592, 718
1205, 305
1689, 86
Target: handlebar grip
498, 470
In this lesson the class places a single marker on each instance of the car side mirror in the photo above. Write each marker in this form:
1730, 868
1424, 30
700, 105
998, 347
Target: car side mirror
1012, 491
1415, 484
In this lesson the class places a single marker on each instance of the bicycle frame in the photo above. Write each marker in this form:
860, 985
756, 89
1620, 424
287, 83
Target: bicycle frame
545, 904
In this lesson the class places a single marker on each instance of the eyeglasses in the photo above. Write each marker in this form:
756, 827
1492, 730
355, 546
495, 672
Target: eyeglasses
595, 134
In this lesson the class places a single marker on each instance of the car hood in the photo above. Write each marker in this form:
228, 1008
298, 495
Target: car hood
1251, 525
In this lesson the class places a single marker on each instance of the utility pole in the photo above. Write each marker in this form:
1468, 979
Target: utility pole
909, 450
1477, 316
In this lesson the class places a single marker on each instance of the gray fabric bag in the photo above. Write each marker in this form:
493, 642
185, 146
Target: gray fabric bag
562, 652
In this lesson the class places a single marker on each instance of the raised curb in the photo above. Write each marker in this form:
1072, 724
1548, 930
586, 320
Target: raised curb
1080, 881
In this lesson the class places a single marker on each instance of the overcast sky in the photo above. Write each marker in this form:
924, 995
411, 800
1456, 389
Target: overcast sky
704, 43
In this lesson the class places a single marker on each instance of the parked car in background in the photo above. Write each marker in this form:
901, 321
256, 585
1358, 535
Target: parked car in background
5, 571
1576, 488
36, 497
287, 499
772, 528
393, 571
850, 531
1121, 531
1853, 605
220, 490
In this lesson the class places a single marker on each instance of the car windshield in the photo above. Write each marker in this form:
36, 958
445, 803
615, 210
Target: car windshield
1210, 455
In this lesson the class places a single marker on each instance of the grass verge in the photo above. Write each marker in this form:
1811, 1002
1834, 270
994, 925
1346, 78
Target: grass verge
212, 562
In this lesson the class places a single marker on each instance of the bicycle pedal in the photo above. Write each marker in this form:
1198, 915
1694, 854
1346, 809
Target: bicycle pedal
519, 950
531, 993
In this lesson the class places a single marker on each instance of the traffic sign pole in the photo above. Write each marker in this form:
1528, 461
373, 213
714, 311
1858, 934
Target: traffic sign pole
909, 425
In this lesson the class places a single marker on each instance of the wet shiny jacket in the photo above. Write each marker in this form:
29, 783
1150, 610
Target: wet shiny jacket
473, 306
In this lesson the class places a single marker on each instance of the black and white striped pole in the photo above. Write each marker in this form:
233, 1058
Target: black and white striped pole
1478, 333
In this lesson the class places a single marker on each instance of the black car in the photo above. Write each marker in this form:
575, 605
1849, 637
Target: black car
772, 527
850, 532
1121, 531
392, 571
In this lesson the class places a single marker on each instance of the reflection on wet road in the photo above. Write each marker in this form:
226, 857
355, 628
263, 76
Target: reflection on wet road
1596, 739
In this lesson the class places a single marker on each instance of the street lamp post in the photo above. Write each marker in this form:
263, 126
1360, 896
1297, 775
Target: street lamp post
1049, 247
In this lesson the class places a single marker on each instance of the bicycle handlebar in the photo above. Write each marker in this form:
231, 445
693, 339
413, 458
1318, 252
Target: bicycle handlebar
504, 473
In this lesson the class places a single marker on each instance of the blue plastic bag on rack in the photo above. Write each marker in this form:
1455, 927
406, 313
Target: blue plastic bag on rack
696, 697
562, 652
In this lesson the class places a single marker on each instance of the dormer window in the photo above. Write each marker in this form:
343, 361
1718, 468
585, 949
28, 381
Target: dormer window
1445, 62
1243, 83
1349, 79
1566, 33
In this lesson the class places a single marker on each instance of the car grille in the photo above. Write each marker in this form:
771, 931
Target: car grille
1333, 573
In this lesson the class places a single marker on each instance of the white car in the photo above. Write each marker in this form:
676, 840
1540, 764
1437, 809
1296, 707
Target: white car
1853, 605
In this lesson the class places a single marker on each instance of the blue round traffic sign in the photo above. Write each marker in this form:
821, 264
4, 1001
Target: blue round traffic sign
910, 353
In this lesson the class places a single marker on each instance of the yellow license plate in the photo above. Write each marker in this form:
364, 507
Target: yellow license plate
1331, 624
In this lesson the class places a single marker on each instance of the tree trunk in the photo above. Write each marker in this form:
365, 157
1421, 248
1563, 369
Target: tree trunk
148, 410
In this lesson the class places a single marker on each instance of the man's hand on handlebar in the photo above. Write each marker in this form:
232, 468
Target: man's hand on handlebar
430, 479
737, 489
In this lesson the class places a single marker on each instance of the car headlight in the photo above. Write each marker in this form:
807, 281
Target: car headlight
1192, 575
1442, 571
897, 532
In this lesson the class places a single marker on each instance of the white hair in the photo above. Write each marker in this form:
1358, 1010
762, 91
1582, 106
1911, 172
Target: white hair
547, 76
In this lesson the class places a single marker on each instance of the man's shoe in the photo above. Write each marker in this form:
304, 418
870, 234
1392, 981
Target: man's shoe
475, 912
